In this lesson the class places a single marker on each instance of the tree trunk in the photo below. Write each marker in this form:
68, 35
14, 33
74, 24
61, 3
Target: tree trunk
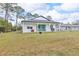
6, 15
6, 19
16, 21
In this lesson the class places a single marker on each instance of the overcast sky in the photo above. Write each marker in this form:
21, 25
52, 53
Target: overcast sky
63, 12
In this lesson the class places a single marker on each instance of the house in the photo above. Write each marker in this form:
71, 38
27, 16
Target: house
67, 27
42, 24
39, 24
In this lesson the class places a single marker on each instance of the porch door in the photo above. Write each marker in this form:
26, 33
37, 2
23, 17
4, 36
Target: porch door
41, 27
51, 27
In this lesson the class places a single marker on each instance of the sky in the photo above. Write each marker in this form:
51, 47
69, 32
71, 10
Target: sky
60, 12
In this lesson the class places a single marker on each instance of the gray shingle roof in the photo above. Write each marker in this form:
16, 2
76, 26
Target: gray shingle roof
40, 21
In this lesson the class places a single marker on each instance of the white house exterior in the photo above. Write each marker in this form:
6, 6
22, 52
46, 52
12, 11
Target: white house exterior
40, 24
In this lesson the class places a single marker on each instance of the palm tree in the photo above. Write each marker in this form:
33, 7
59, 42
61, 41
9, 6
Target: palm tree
18, 10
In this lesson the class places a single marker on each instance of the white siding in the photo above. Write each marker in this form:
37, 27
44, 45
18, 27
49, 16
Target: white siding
34, 25
67, 27
48, 28
25, 29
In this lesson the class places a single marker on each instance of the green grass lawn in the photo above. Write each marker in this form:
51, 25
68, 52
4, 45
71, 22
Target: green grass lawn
55, 43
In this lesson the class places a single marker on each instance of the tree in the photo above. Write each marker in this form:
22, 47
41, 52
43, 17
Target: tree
23, 15
49, 18
2, 22
3, 25
29, 15
18, 10
7, 7
35, 15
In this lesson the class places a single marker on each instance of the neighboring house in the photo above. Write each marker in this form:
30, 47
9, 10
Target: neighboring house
67, 27
40, 24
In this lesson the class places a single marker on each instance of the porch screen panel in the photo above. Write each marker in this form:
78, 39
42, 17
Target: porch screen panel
41, 27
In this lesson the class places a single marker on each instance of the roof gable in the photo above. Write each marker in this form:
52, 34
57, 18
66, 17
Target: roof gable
40, 18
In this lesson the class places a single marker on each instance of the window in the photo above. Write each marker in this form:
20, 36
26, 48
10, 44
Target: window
57, 26
29, 27
41, 27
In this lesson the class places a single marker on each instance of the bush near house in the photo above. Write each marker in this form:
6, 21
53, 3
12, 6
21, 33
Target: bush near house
5, 26
2, 29
19, 28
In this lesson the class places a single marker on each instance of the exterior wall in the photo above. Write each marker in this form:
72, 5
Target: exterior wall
48, 29
25, 25
34, 25
75, 27
67, 28
56, 27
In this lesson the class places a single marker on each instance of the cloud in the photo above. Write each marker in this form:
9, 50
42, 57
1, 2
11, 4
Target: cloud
31, 7
53, 14
68, 7
66, 12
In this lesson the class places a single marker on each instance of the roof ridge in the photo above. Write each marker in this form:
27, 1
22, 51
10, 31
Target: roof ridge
43, 17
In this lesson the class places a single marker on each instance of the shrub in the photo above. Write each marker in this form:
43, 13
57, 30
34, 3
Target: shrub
2, 29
